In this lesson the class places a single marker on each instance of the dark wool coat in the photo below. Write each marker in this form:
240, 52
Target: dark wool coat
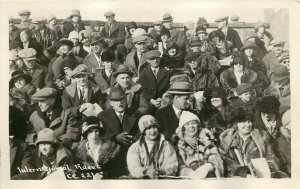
155, 36
258, 147
107, 156
271, 62
233, 36
70, 99
178, 37
17, 149
91, 62
282, 148
134, 64
102, 82
171, 62
62, 123
33, 160
68, 26
116, 33
38, 75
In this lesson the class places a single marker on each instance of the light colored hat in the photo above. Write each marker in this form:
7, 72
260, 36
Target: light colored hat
51, 17
46, 135
139, 32
37, 20
44, 94
146, 121
109, 14
180, 88
139, 39
24, 12
222, 18
73, 35
185, 117
80, 69
277, 42
234, 18
27, 54
75, 12
167, 17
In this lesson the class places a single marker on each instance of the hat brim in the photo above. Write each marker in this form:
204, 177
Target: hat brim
278, 79
168, 20
179, 92
41, 141
248, 47
149, 126
79, 73
31, 58
115, 75
90, 128
98, 40
117, 98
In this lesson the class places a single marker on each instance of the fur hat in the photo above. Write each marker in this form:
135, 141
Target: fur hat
240, 115
185, 117
147, 121
108, 55
216, 92
269, 104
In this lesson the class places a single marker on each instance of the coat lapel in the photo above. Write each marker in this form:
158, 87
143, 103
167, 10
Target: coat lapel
56, 121
114, 27
36, 73
162, 73
128, 122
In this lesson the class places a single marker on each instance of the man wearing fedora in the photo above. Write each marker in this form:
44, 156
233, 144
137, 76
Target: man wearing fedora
120, 123
135, 60
103, 77
25, 21
135, 95
73, 22
177, 36
271, 60
93, 59
154, 80
45, 158
113, 32
82, 93
168, 117
32, 68
228, 33
49, 114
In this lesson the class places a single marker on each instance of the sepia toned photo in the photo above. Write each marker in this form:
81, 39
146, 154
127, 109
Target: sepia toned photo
104, 92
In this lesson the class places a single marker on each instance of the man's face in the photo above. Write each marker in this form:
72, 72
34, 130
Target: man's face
221, 24
85, 41
168, 25
202, 36
110, 19
244, 127
123, 80
81, 79
11, 26
181, 101
158, 27
193, 64
107, 65
65, 48
151, 133
53, 21
97, 28
154, 62
286, 63
191, 128
20, 83
278, 48
29, 63
67, 70
24, 37
249, 52
46, 105
261, 29
119, 105
46, 149
96, 47
140, 47
268, 116
24, 17
246, 97
75, 19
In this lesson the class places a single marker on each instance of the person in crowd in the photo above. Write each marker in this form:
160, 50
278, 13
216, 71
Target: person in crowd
260, 49
130, 28
194, 45
13, 30
136, 98
165, 37
92, 151
32, 68
84, 40
267, 116
79, 95
262, 34
201, 77
92, 60
136, 60
246, 97
168, 117
154, 80
152, 156
21, 82
235, 18
198, 155
28, 42
285, 60
155, 33
271, 60
45, 158
73, 22
243, 142
77, 49
96, 27
282, 146
113, 31
202, 22
228, 33
49, 114
176, 36
121, 125
25, 21
238, 73
104, 78
53, 26
172, 58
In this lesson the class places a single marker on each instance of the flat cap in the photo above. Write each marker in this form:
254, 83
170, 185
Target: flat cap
51, 17
153, 54
234, 18
79, 70
192, 56
243, 88
24, 12
37, 20
248, 45
222, 18
109, 14
139, 39
157, 23
27, 54
44, 94
277, 42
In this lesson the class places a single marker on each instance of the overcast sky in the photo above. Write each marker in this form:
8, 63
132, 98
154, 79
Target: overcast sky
147, 11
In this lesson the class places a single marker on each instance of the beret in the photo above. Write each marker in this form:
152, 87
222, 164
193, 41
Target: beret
44, 94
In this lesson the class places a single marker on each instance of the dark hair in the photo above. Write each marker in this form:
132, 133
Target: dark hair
165, 31
240, 114
239, 59
93, 120
27, 31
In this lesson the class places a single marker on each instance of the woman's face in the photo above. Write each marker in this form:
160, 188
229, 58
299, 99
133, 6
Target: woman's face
246, 97
238, 67
249, 52
46, 149
216, 102
191, 128
172, 52
131, 30
215, 40
193, 64
24, 37
151, 133
268, 116
164, 38
20, 83
244, 127
75, 19
202, 36
93, 135
65, 48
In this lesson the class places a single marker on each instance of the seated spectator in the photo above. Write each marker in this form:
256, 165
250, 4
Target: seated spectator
53, 26
198, 155
73, 22
25, 21
172, 58
130, 28
151, 156
13, 30
285, 60
93, 152
27, 41
243, 142
45, 158
155, 33
21, 82
96, 27
77, 48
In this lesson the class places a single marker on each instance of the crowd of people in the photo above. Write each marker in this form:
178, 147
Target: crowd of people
146, 102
